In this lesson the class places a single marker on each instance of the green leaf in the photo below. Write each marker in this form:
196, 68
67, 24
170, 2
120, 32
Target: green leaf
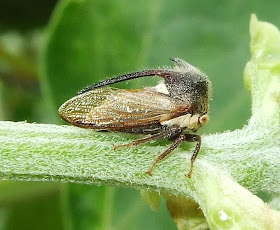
77, 50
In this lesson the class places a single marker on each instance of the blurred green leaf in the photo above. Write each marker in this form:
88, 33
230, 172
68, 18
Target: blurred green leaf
29, 205
89, 40
36, 213
10, 195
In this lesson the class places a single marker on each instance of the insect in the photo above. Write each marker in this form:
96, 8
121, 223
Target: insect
174, 109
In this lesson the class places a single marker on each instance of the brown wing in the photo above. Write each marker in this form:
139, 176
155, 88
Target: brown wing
120, 109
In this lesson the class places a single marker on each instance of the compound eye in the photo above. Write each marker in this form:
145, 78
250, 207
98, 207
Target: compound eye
204, 119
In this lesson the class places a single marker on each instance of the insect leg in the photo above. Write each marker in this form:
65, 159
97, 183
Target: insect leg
175, 144
193, 138
143, 140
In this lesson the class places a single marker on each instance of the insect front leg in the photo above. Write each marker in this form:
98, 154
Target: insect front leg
193, 138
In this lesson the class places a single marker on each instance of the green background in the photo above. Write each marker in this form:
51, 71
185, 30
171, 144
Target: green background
50, 50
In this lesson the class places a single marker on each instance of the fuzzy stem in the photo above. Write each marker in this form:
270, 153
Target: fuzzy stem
65, 153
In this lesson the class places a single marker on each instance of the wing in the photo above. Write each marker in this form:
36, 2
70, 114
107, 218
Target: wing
120, 109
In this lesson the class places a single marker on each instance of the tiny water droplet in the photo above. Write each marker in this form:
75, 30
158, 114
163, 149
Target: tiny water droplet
224, 218
223, 215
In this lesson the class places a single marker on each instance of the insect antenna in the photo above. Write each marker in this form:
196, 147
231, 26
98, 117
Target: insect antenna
145, 73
